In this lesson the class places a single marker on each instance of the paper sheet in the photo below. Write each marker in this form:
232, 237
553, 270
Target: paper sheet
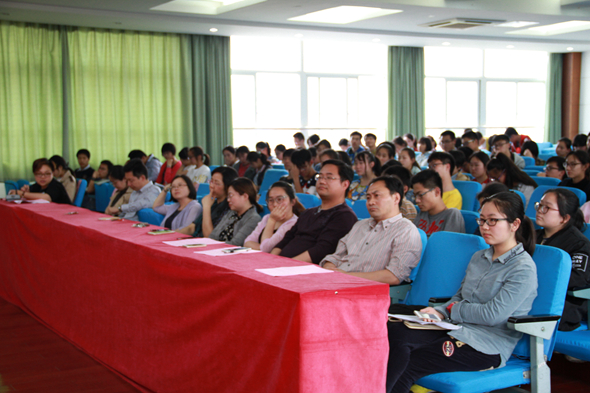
416, 319
294, 270
219, 252
193, 240
33, 201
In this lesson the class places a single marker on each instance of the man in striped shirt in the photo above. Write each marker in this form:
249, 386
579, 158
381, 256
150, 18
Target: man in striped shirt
385, 247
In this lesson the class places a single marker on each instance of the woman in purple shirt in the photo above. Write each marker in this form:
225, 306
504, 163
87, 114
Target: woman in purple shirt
284, 209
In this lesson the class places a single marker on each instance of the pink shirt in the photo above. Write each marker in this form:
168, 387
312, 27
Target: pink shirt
268, 244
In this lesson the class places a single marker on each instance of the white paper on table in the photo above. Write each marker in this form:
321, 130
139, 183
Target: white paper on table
416, 319
40, 200
193, 240
219, 252
293, 270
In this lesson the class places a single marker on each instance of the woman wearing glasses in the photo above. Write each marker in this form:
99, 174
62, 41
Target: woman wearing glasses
185, 208
46, 186
562, 220
284, 211
500, 282
577, 167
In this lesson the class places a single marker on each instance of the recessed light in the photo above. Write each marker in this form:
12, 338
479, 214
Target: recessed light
299, 35
555, 28
376, 40
446, 43
205, 7
213, 30
343, 14
569, 48
510, 46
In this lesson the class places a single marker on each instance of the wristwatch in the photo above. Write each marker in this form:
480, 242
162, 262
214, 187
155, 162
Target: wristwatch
121, 211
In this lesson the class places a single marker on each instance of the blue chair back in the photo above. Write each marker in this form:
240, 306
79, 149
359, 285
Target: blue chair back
470, 224
424, 240
150, 216
80, 192
11, 185
538, 168
349, 202
546, 181
531, 172
102, 193
203, 189
469, 191
437, 263
538, 194
308, 201
528, 161
521, 195
278, 166
545, 145
213, 167
360, 209
22, 182
546, 156
271, 176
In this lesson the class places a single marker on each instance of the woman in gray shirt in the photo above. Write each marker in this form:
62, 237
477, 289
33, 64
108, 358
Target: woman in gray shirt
185, 208
500, 282
244, 215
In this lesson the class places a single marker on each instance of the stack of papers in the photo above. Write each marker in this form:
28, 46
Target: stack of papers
294, 270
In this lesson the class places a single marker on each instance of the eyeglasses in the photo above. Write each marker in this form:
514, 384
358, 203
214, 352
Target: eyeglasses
492, 179
44, 174
446, 141
434, 165
178, 186
215, 183
551, 168
490, 221
572, 164
543, 208
468, 142
278, 200
419, 196
500, 144
320, 177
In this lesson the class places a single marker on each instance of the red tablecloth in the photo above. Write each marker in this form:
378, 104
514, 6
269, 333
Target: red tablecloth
170, 320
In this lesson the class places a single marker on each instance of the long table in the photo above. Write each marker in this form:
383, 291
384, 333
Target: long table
170, 320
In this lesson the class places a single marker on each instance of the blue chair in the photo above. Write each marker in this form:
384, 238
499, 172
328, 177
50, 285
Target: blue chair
538, 194
531, 172
528, 161
470, 224
22, 182
360, 209
577, 342
546, 181
80, 192
271, 176
308, 201
538, 168
398, 293
150, 216
546, 156
545, 145
349, 202
528, 364
278, 166
203, 189
103, 194
213, 167
469, 191
436, 264
11, 185
168, 197
521, 195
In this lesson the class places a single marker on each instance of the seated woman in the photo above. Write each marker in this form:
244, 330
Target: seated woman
264, 148
531, 149
243, 216
559, 214
170, 168
577, 167
407, 157
64, 175
46, 187
385, 152
259, 162
215, 205
122, 191
500, 282
284, 211
477, 166
185, 209
368, 168
198, 171
502, 169
425, 148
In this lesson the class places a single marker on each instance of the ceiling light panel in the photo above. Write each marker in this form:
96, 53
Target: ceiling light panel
554, 29
343, 15
204, 7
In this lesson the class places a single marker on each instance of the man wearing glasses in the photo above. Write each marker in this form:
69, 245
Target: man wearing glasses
318, 230
471, 140
447, 140
434, 215
502, 146
554, 168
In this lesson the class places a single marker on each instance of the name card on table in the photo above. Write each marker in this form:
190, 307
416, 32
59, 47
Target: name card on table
294, 270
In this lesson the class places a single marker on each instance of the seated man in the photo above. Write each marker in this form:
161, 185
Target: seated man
302, 169
434, 215
152, 164
385, 247
355, 145
85, 171
502, 146
144, 191
318, 230
444, 164
447, 140
554, 168
470, 140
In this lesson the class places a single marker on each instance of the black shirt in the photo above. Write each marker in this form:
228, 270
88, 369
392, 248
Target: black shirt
572, 241
584, 185
55, 190
85, 174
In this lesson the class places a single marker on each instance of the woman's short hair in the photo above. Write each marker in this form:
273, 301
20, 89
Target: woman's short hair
228, 174
481, 156
38, 163
426, 141
367, 157
168, 148
532, 147
243, 185
230, 148
192, 191
117, 172
568, 205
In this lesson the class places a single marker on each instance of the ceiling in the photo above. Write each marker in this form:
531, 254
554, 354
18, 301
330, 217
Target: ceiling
270, 19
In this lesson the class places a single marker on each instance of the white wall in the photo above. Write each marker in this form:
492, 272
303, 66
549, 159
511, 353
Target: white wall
585, 94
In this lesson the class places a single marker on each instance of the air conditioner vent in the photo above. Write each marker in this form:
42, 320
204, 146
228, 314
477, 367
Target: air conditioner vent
462, 23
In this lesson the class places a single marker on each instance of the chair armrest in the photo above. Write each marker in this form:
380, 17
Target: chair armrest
437, 301
534, 325
398, 293
580, 293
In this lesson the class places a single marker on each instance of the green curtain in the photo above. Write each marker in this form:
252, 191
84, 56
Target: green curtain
126, 92
406, 91
212, 124
30, 96
553, 111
